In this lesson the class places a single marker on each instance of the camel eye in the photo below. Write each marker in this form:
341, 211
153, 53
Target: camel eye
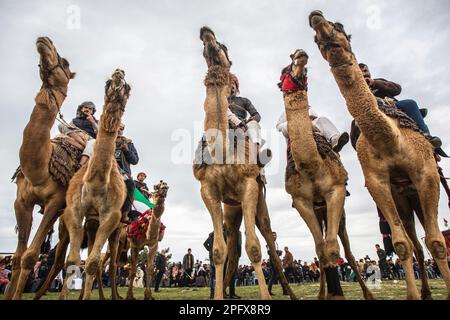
65, 63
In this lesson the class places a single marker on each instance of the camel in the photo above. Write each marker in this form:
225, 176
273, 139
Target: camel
35, 184
151, 239
235, 183
317, 184
97, 191
115, 245
386, 151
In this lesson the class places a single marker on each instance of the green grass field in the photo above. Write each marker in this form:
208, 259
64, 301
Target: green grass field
389, 291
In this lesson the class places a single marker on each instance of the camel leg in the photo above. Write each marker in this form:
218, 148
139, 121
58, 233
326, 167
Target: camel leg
351, 259
306, 211
252, 245
411, 230
90, 227
322, 279
427, 185
24, 218
379, 187
150, 266
30, 256
104, 231
72, 219
134, 256
232, 220
219, 246
263, 224
406, 205
114, 245
60, 254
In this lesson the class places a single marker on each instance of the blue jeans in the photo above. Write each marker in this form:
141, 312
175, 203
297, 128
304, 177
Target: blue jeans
411, 108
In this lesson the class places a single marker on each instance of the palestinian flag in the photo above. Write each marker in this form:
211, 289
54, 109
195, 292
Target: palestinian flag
141, 203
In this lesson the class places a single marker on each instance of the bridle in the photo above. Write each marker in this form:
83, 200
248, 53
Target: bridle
331, 42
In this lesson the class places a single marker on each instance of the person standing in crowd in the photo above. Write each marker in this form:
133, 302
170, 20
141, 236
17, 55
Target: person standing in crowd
160, 265
126, 155
382, 263
188, 265
288, 264
274, 276
141, 185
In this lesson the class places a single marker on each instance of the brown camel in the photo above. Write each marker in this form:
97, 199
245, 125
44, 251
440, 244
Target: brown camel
229, 179
97, 191
386, 150
317, 184
115, 246
151, 239
35, 185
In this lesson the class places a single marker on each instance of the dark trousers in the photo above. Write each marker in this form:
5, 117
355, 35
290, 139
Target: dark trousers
158, 278
273, 277
127, 205
289, 273
411, 108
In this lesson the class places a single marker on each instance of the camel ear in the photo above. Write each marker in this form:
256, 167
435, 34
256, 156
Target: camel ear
72, 75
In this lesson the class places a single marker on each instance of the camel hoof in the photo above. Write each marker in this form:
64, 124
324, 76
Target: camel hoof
335, 297
369, 296
427, 296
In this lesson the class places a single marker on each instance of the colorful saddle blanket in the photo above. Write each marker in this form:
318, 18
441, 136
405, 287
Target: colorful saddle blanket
64, 161
138, 228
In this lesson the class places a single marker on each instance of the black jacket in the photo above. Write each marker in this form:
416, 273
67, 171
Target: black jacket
142, 187
160, 262
84, 124
383, 88
240, 106
126, 158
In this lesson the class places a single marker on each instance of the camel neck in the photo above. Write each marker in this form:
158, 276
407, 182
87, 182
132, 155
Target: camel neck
216, 107
102, 160
300, 130
362, 105
36, 148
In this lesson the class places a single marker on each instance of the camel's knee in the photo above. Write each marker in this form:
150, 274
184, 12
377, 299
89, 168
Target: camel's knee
28, 260
219, 256
254, 253
437, 248
403, 249
92, 266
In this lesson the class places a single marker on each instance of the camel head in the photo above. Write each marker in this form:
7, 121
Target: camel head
117, 89
333, 42
161, 191
299, 60
53, 70
214, 52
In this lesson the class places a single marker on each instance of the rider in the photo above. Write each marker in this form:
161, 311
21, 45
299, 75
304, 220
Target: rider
238, 109
141, 185
125, 155
86, 122
382, 88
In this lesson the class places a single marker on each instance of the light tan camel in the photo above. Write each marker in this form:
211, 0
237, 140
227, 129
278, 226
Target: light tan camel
151, 239
35, 185
115, 247
222, 180
317, 184
97, 191
386, 151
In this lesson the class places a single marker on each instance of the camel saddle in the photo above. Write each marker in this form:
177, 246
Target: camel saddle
323, 146
138, 228
64, 161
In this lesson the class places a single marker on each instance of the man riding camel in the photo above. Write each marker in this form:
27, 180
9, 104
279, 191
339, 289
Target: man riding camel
238, 109
382, 88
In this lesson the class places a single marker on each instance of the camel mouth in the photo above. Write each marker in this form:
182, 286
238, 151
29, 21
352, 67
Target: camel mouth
316, 18
206, 32
44, 45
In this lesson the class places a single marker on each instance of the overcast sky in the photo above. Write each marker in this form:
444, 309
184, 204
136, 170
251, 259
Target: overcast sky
157, 44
